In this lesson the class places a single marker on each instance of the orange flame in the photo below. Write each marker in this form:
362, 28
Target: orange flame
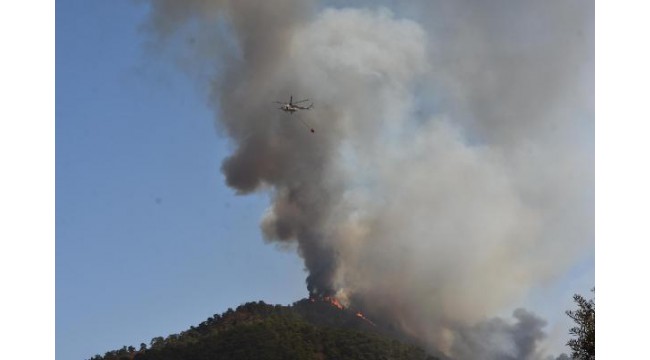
334, 301
360, 315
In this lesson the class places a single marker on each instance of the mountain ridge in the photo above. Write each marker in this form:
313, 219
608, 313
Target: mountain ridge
308, 329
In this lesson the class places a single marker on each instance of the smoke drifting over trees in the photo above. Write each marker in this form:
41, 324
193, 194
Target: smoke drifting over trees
452, 166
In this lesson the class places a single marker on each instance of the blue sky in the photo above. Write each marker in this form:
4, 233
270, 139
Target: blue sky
149, 240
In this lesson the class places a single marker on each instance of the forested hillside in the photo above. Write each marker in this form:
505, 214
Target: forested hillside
307, 330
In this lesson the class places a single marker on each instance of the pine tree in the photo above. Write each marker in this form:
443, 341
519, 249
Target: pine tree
584, 346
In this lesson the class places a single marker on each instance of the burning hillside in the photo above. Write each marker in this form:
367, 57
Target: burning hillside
329, 311
333, 301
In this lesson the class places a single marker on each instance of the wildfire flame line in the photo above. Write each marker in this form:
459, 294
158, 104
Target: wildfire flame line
334, 301
360, 315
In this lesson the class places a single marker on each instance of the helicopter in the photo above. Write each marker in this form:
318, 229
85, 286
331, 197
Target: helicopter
292, 107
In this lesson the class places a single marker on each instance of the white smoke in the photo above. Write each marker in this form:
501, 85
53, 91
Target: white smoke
444, 180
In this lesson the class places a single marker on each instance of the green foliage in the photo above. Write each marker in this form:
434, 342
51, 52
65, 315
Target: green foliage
584, 346
261, 331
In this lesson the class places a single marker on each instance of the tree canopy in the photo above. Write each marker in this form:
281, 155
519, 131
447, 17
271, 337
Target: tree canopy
583, 346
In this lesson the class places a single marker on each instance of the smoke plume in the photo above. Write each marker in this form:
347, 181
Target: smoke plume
451, 170
498, 339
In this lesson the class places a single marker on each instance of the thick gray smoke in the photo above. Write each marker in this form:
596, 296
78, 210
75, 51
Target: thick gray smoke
452, 165
498, 339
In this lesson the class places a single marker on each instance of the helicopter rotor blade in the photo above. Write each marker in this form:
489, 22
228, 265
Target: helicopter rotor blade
301, 101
